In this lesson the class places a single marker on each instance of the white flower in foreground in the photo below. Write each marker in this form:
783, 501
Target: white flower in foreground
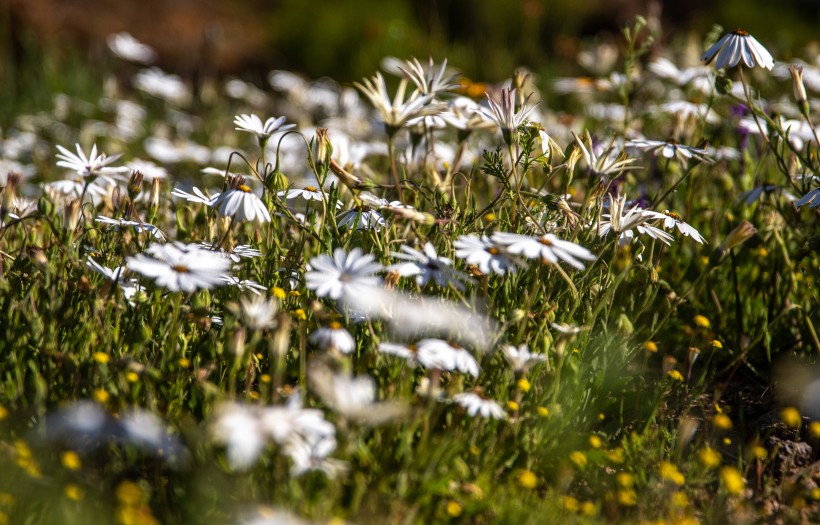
89, 165
333, 337
487, 255
441, 355
354, 398
623, 222
263, 130
180, 267
238, 427
125, 46
240, 203
520, 358
736, 46
344, 274
427, 266
673, 220
548, 248
504, 114
479, 406
811, 198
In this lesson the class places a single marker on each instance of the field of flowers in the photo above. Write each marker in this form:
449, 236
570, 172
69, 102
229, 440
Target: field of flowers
417, 298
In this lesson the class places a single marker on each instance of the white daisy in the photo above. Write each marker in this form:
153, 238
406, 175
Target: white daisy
160, 84
91, 164
477, 405
430, 81
442, 355
138, 226
180, 267
354, 398
736, 46
258, 313
197, 196
240, 203
520, 358
811, 198
487, 255
361, 218
395, 113
548, 248
311, 454
673, 220
125, 46
307, 194
343, 274
622, 222
263, 130
504, 113
427, 266
238, 252
246, 285
333, 337
670, 149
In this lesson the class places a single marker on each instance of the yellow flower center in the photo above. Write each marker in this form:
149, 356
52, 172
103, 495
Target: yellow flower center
180, 268
493, 250
310, 188
673, 215
740, 32
335, 325
244, 187
545, 241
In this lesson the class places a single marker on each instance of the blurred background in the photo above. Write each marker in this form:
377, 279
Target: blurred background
345, 39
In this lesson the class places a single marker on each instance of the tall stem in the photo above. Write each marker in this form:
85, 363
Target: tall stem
394, 172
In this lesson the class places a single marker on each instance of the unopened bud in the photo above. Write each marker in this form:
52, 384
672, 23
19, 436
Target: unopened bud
71, 215
323, 147
9, 193
799, 89
153, 200
723, 84
135, 184
742, 233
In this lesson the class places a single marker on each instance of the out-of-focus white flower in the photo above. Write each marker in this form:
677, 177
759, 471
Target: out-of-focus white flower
333, 337
162, 85
258, 313
479, 406
197, 196
361, 218
670, 149
354, 398
488, 256
427, 266
180, 267
343, 275
89, 165
430, 81
149, 170
138, 226
443, 355
125, 46
246, 285
520, 358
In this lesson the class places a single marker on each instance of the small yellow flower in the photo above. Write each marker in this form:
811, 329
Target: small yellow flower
759, 452
814, 427
680, 499
101, 396
702, 321
294, 293
184, 362
4, 413
727, 441
4, 518
709, 457
625, 480
453, 509
253, 394
716, 344
71, 460
571, 504
299, 314
791, 416
129, 493
649, 346
676, 376
589, 508
595, 441
132, 377
264, 378
527, 479
732, 480
578, 458
762, 252
722, 421
490, 217
627, 498
101, 357
512, 405
543, 411
474, 450
601, 416
671, 473
524, 385
815, 494
279, 293
73, 492
616, 455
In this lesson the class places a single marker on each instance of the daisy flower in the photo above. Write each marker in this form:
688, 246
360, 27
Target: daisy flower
197, 196
263, 130
673, 220
138, 226
669, 149
354, 398
487, 255
811, 198
307, 194
427, 266
441, 355
429, 81
395, 113
736, 46
623, 221
604, 162
125, 46
246, 285
88, 165
520, 358
477, 405
160, 84
258, 313
361, 218
504, 115
548, 248
240, 203
180, 267
239, 252
333, 337
343, 274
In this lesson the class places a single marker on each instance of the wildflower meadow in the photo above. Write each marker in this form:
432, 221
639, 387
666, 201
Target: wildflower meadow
417, 298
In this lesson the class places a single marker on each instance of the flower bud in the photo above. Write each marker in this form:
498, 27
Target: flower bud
135, 184
723, 84
799, 89
71, 215
742, 233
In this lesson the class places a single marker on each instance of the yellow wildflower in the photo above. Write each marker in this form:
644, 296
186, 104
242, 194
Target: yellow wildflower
722, 421
73, 492
524, 385
732, 480
649, 346
625, 480
702, 321
571, 504
71, 460
279, 293
671, 473
674, 375
709, 457
527, 479
627, 498
543, 411
814, 427
595, 441
101, 357
453, 508
791, 416
512, 405
101, 396
589, 508
579, 458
